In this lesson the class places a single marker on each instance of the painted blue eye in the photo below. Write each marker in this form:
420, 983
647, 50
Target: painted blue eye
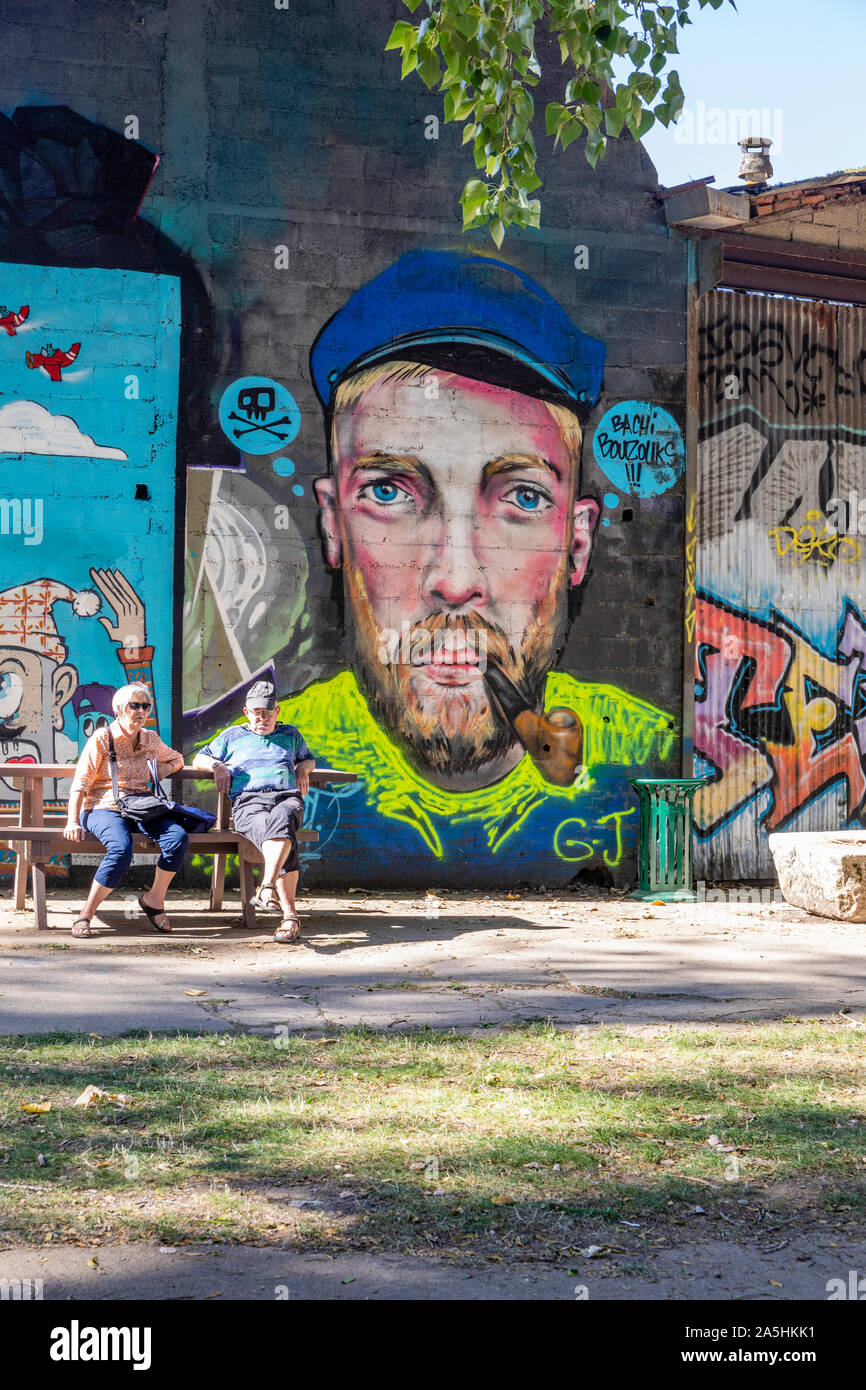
527, 498
385, 492
11, 692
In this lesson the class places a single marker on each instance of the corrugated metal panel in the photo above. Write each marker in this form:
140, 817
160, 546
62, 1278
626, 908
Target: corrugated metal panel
781, 573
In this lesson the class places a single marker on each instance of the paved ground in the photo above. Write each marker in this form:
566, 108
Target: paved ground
457, 961
715, 1270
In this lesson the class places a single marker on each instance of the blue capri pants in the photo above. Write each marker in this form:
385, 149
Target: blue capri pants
116, 834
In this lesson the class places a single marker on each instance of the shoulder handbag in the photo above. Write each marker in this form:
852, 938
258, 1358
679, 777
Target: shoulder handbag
145, 807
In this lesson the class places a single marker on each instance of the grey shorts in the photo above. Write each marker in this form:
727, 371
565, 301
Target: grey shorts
260, 816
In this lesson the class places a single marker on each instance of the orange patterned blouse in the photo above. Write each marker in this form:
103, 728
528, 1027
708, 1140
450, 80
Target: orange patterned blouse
93, 773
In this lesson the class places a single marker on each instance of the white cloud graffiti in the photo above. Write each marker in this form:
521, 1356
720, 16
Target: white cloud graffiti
28, 428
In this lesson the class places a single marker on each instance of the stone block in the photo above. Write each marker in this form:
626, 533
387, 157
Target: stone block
823, 871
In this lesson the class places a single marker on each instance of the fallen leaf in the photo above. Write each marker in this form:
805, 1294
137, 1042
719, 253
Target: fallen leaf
417, 1167
775, 1283
94, 1035
351, 1278
218, 1294
91, 1095
501, 1201
196, 993
593, 1251
94, 1261
40, 1159
36, 1107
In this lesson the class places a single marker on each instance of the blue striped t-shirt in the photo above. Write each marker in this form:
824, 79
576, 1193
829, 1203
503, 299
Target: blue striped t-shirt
259, 762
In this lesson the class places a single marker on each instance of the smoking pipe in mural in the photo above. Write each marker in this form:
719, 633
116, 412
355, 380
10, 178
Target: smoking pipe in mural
553, 739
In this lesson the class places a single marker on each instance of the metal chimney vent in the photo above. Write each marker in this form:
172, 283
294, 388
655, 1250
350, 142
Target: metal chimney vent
755, 166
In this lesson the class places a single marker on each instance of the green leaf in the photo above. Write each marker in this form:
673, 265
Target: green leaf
595, 146
473, 196
570, 134
469, 22
497, 231
429, 70
646, 121
554, 115
614, 120
400, 35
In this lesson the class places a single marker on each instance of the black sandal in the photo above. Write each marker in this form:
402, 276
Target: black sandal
152, 913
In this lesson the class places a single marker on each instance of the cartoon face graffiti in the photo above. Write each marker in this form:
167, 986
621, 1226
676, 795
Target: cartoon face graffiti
33, 691
454, 389
453, 507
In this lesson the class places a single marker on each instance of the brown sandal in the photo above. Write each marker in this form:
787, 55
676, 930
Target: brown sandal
266, 899
289, 929
78, 923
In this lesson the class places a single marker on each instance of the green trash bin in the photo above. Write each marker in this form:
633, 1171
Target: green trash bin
665, 869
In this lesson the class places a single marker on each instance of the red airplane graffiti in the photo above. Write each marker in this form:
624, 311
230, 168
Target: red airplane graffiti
10, 321
53, 359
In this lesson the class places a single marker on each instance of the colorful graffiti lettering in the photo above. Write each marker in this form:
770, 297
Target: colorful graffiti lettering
570, 847
772, 711
808, 543
640, 448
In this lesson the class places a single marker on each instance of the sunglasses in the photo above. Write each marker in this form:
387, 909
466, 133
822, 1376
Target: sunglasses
132, 705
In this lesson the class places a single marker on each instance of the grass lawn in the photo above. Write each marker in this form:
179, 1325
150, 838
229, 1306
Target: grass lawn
517, 1142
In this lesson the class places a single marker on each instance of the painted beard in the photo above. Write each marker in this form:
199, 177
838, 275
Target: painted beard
451, 728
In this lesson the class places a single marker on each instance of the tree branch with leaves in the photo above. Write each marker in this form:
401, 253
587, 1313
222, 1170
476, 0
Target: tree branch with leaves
481, 55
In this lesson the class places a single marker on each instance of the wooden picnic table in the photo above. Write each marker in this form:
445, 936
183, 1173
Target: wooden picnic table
35, 834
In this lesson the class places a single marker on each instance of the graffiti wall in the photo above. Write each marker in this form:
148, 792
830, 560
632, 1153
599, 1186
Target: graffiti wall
433, 491
779, 628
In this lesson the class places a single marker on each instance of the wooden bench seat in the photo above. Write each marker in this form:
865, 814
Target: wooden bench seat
35, 837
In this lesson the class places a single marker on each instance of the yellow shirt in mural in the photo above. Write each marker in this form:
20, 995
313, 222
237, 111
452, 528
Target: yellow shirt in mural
517, 824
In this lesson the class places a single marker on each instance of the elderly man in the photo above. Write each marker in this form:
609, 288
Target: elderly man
455, 393
265, 767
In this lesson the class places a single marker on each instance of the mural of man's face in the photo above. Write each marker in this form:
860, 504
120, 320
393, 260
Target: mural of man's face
453, 506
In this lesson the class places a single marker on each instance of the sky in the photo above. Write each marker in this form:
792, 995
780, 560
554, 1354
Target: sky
799, 62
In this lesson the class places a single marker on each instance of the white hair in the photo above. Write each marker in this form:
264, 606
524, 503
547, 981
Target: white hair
121, 698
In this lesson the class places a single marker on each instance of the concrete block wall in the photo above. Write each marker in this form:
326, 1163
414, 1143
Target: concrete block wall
290, 128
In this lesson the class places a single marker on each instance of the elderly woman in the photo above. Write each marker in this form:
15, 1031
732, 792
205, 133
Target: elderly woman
92, 789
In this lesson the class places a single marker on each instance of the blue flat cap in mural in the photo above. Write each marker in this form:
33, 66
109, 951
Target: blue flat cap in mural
466, 313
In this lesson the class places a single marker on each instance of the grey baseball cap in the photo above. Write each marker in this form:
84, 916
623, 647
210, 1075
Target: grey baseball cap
262, 695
